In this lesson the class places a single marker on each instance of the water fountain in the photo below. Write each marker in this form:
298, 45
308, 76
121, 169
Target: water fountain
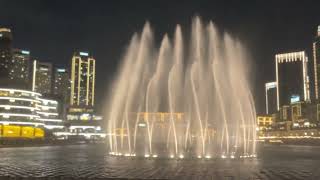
182, 100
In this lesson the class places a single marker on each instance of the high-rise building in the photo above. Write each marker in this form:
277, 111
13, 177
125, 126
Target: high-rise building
316, 63
271, 97
5, 55
19, 69
42, 77
82, 80
61, 85
292, 78
61, 89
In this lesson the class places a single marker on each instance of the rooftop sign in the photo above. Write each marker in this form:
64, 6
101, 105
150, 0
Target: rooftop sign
61, 70
25, 52
84, 54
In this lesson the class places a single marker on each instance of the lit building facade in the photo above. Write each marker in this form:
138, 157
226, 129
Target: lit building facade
49, 114
292, 78
61, 85
28, 108
42, 77
271, 97
5, 54
19, 107
19, 70
316, 63
82, 80
265, 122
303, 114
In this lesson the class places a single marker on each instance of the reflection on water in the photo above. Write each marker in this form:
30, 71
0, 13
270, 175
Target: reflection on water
90, 161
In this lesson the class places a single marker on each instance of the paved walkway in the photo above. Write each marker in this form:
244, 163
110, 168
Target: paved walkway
83, 161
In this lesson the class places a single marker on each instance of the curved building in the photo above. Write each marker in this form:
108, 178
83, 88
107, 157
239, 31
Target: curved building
19, 107
22, 107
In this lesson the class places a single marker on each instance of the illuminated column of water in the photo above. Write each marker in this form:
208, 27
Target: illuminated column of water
135, 129
175, 84
135, 81
248, 99
148, 95
238, 90
117, 96
197, 71
197, 105
216, 66
154, 93
172, 122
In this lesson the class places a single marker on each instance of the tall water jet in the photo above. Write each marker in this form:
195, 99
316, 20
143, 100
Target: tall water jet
176, 103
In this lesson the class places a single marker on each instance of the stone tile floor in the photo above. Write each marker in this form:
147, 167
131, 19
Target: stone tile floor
92, 162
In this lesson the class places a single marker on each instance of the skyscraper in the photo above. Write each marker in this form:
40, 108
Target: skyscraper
5, 55
292, 78
61, 85
316, 63
42, 77
19, 69
82, 80
271, 97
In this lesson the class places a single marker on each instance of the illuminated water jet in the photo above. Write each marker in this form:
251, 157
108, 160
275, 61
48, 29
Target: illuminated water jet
183, 99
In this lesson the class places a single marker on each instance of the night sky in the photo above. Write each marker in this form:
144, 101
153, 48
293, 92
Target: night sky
53, 30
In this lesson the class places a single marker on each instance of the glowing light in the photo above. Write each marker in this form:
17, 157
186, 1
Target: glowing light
34, 75
254, 155
223, 156
46, 107
87, 135
207, 156
46, 101
22, 123
21, 91
51, 120
127, 155
53, 126
199, 157
19, 115
48, 113
61, 70
171, 156
83, 127
232, 156
155, 155
147, 155
181, 156
142, 125
25, 52
84, 54
13, 99
8, 107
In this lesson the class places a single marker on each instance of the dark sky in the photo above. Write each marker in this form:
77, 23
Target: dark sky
53, 29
